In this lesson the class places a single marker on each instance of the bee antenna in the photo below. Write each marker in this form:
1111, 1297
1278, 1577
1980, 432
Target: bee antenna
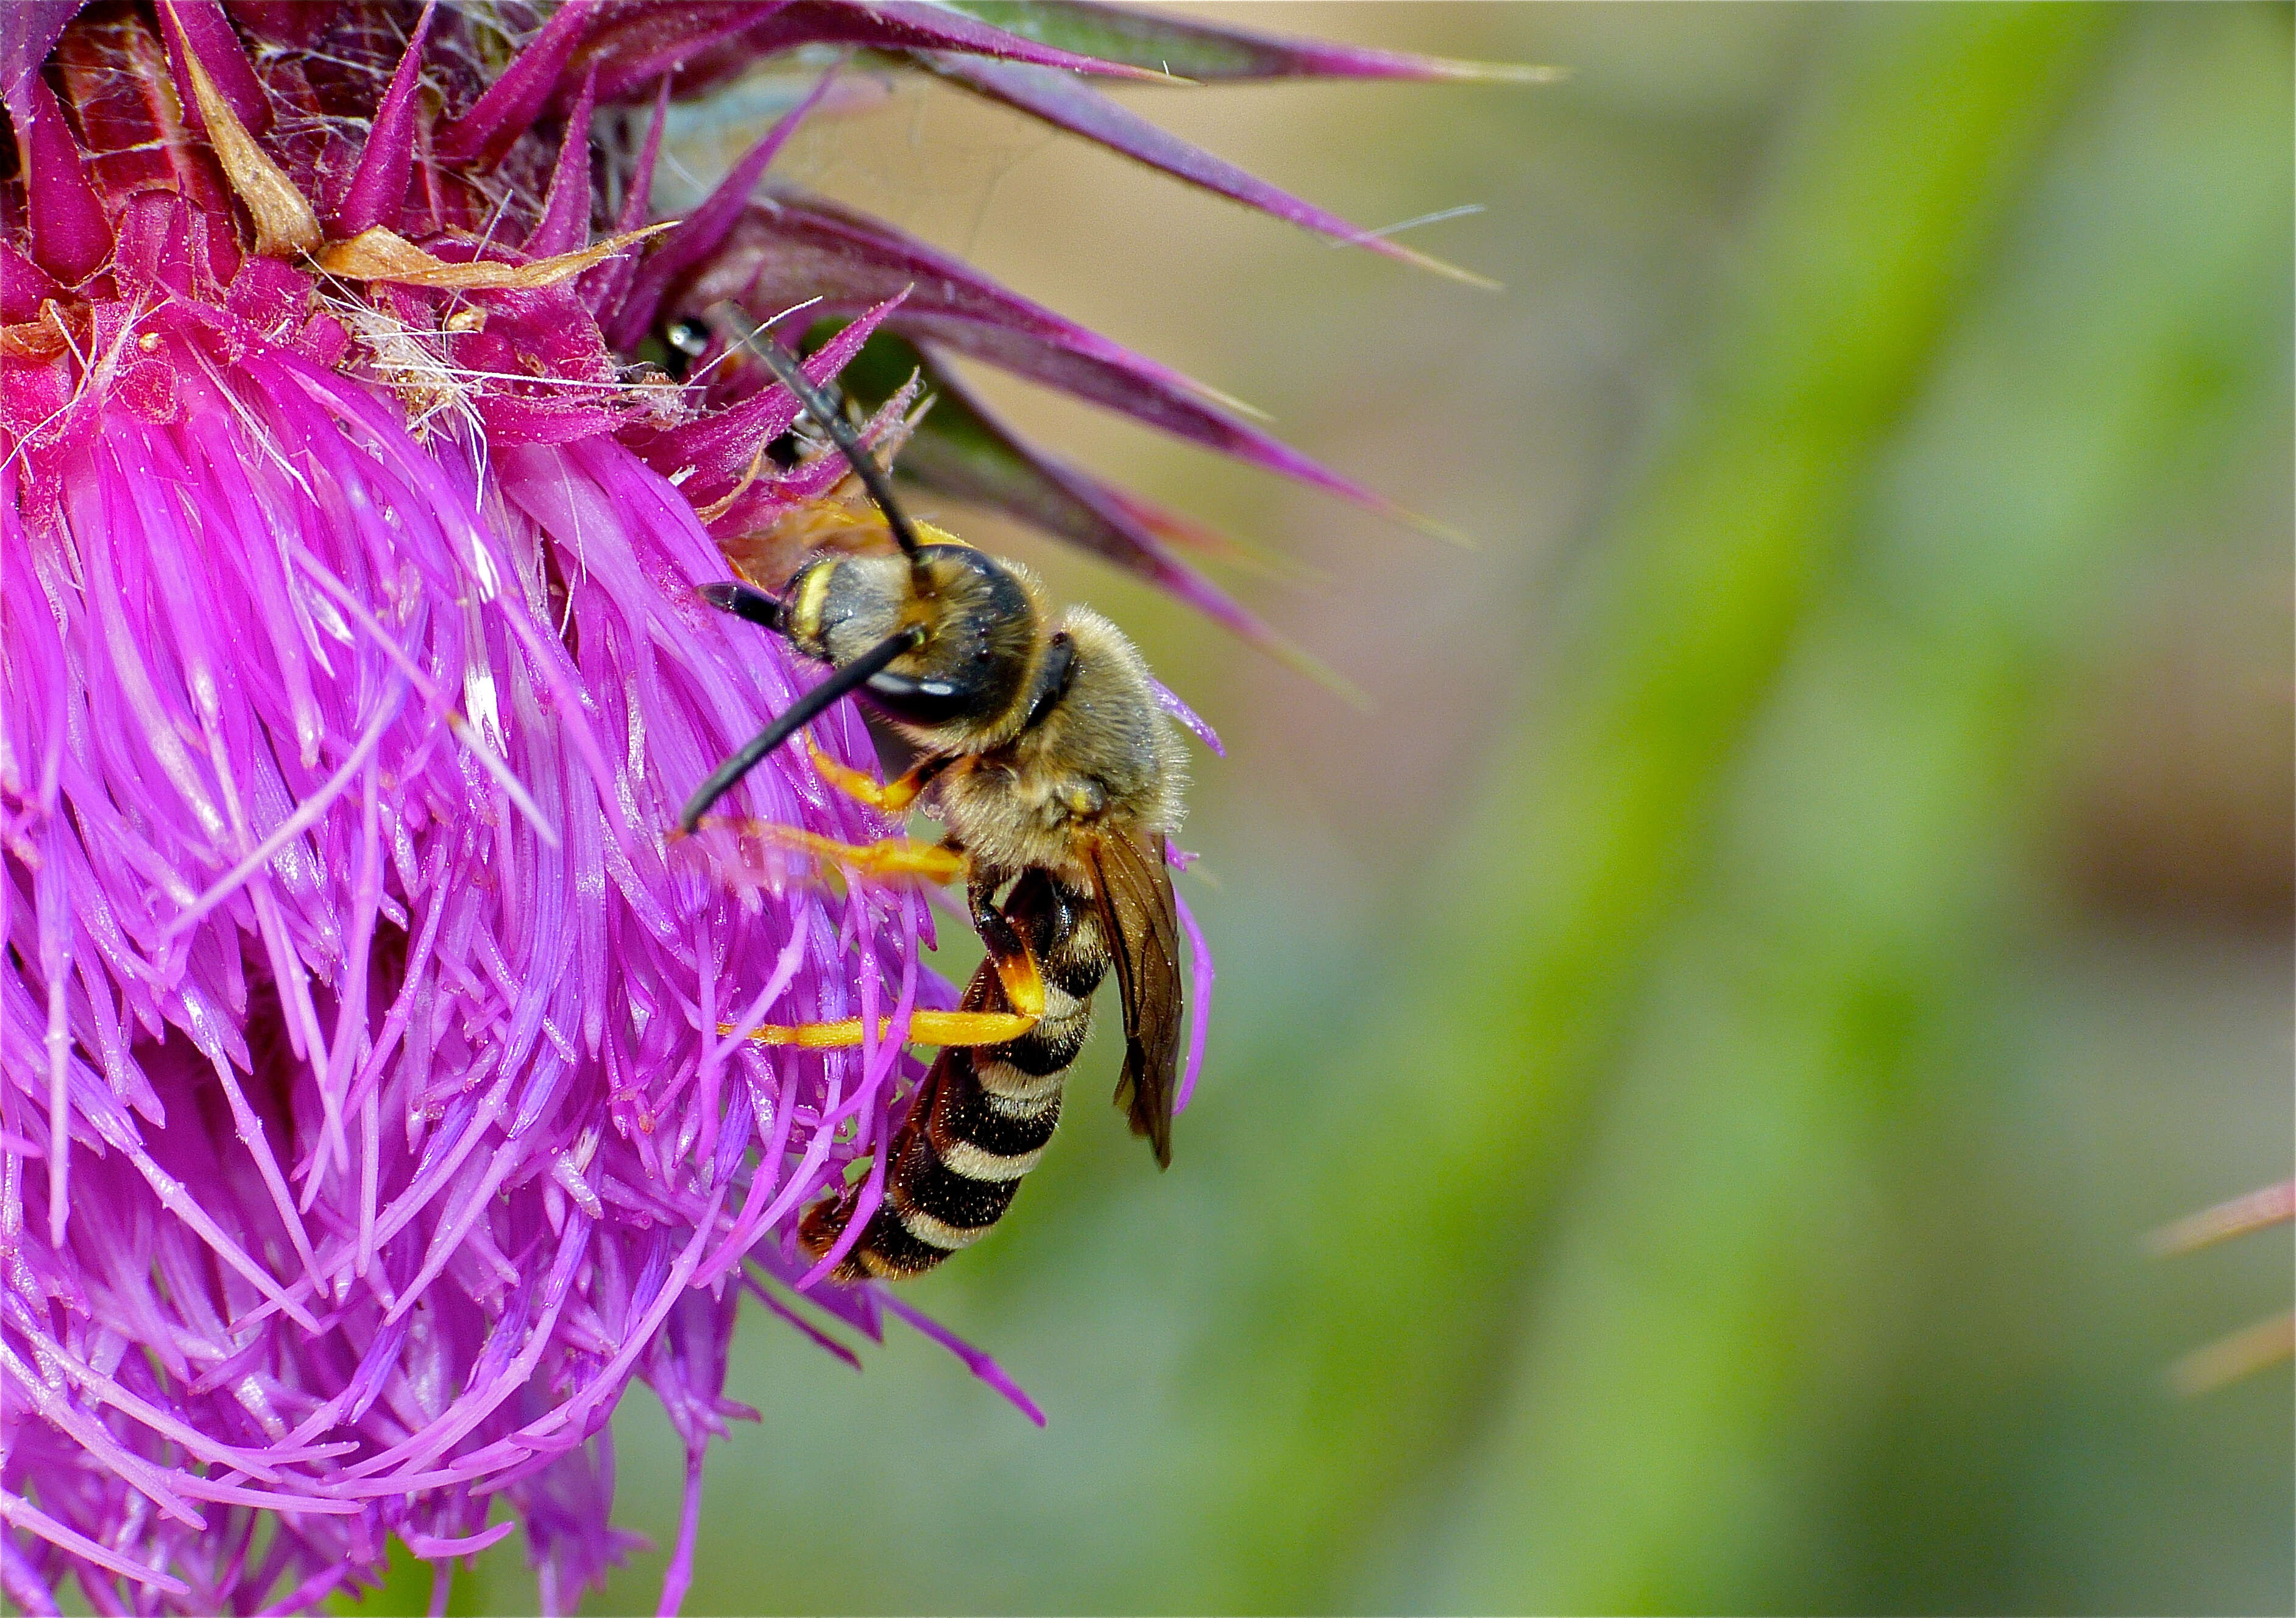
793, 719
783, 365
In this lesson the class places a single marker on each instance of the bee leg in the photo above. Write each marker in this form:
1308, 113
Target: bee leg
1018, 976
893, 797
894, 857
1017, 971
925, 1028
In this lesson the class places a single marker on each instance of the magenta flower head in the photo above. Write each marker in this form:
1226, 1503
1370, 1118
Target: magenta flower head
379, 1087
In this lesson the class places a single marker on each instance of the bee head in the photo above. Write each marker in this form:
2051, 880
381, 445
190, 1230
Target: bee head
974, 620
941, 637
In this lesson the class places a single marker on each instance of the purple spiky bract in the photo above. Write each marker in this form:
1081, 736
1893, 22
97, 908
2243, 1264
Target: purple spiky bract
375, 1097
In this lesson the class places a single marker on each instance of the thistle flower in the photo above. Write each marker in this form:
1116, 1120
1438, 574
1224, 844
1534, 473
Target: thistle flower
375, 1097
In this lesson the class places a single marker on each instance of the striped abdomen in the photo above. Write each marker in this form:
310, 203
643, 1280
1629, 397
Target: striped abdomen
985, 1113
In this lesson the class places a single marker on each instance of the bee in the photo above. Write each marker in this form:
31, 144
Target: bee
1044, 752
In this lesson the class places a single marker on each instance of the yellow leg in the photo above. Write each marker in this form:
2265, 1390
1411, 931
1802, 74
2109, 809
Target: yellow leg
893, 797
1016, 974
894, 857
925, 1028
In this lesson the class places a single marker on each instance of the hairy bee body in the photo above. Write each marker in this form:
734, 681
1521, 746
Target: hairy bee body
1051, 730
1057, 772
1044, 749
1101, 759
985, 1114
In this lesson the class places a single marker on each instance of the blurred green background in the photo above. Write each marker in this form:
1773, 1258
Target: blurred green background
1694, 1068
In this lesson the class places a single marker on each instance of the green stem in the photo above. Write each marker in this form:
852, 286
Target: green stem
1448, 1140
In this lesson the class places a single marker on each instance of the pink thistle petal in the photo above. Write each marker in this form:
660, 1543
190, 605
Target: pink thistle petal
1169, 702
22, 1513
678, 1577
976, 1361
438, 1545
1200, 974
432, 1239
23, 1586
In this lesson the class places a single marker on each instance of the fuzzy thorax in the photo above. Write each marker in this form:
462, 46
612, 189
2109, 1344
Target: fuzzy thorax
1049, 727
1103, 758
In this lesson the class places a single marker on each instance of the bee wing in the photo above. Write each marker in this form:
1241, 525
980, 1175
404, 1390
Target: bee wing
1142, 923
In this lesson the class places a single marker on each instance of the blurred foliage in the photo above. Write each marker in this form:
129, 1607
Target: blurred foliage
1692, 1073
